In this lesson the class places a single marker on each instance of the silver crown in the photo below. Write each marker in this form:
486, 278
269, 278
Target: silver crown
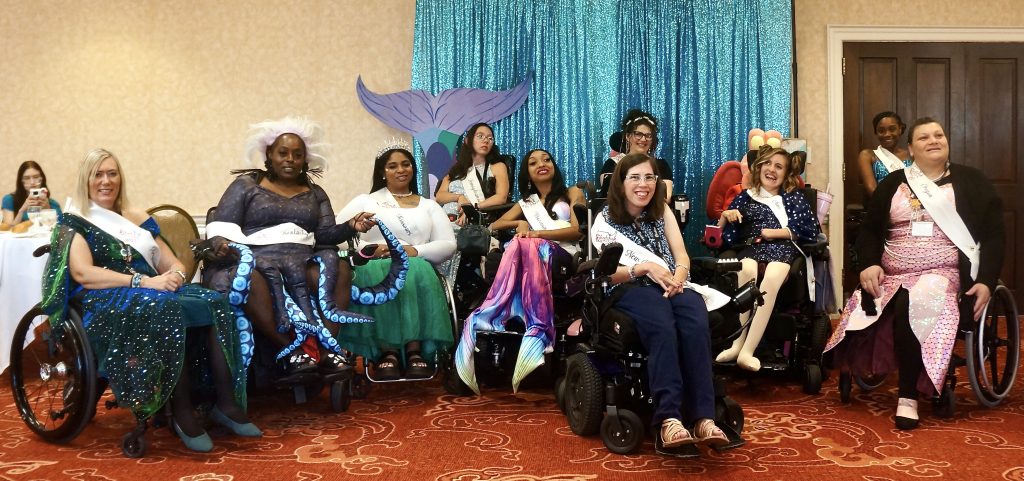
394, 143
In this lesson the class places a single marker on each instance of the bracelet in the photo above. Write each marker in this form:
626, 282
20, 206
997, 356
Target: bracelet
632, 272
136, 280
684, 267
182, 274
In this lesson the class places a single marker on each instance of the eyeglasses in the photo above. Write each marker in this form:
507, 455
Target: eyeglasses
637, 178
643, 135
488, 138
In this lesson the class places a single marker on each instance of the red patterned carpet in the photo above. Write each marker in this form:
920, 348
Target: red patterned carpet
417, 432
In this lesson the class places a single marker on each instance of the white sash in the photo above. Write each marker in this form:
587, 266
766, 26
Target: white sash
392, 215
125, 231
474, 191
602, 233
778, 208
889, 160
539, 219
945, 215
287, 233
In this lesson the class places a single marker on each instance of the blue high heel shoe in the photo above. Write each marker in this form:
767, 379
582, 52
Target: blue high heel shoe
201, 443
248, 430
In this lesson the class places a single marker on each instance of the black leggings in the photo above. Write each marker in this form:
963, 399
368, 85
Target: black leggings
908, 349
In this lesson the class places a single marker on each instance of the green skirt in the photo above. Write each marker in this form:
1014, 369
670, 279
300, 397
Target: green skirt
418, 313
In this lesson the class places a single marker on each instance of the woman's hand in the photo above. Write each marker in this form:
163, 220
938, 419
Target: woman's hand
461, 220
530, 234
871, 280
662, 276
981, 294
463, 200
381, 251
522, 228
732, 215
362, 221
168, 281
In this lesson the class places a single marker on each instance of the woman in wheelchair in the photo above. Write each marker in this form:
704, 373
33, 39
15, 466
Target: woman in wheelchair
671, 320
288, 223
478, 176
639, 136
417, 322
139, 311
763, 224
933, 231
546, 237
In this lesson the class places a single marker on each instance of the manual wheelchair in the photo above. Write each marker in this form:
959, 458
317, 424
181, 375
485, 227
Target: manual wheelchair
991, 349
54, 375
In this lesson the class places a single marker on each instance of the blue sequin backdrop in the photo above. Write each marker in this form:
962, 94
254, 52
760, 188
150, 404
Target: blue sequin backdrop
709, 70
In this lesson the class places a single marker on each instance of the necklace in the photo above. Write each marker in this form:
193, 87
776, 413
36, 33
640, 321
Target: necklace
400, 196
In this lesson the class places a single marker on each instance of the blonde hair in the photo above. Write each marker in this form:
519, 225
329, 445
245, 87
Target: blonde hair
764, 154
87, 171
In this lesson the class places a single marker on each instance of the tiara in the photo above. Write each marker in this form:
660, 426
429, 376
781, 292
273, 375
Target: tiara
642, 117
393, 143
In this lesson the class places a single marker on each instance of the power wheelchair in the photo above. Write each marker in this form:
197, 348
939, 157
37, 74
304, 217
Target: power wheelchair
605, 385
991, 349
795, 337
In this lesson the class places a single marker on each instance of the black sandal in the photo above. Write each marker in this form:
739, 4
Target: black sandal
416, 366
387, 368
298, 363
335, 363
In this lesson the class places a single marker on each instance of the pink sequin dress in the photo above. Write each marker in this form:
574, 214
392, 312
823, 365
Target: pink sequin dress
927, 267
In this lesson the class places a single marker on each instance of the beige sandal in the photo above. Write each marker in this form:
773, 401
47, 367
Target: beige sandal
673, 434
708, 433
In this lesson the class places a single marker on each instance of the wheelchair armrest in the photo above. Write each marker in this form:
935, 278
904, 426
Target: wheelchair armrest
815, 249
485, 215
716, 265
41, 250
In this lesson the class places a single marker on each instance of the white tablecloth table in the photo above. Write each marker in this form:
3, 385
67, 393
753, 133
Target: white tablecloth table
21, 281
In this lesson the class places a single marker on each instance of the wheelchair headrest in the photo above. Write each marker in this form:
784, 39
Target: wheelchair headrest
728, 177
608, 261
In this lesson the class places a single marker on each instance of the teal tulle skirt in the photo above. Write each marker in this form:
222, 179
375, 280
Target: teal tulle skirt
419, 313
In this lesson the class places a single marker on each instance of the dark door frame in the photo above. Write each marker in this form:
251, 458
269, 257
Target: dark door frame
836, 36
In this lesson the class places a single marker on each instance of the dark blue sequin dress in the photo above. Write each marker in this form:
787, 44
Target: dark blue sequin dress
757, 216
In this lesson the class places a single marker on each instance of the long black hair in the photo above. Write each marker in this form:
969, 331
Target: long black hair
379, 182
464, 159
528, 188
20, 194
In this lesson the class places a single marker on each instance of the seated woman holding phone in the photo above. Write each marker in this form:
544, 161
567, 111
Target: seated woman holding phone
30, 194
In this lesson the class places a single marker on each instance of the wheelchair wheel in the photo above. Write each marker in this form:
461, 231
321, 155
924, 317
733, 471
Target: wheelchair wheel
53, 378
584, 395
944, 405
812, 379
560, 393
845, 386
625, 438
993, 350
870, 383
341, 395
134, 445
728, 412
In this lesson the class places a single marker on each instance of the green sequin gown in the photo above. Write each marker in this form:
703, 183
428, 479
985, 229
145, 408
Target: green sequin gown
138, 335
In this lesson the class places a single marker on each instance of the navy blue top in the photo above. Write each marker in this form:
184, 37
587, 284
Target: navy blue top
757, 216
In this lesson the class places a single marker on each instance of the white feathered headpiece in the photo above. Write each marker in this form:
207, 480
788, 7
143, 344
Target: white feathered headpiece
264, 134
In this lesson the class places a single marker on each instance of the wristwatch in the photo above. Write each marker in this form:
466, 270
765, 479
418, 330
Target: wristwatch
136, 280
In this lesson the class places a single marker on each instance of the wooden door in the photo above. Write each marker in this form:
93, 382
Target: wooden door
974, 89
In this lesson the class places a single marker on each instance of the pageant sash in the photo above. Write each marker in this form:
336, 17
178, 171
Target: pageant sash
889, 160
539, 219
287, 233
778, 208
390, 213
944, 214
472, 185
602, 233
125, 231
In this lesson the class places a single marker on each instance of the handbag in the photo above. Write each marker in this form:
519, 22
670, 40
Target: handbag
473, 240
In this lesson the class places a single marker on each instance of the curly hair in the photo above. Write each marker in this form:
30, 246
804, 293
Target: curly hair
764, 154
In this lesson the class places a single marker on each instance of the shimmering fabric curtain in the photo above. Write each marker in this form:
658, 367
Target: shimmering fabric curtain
709, 70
